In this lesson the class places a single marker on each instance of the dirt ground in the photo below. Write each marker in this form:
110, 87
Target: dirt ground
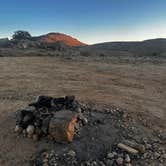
138, 88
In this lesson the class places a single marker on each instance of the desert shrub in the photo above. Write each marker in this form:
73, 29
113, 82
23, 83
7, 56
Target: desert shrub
4, 42
21, 35
85, 53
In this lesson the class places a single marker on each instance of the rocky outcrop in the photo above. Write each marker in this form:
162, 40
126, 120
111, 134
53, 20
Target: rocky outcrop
59, 37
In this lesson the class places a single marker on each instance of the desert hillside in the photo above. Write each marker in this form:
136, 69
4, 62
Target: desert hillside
153, 47
64, 44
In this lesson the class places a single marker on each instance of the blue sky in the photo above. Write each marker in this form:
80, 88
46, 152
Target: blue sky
91, 21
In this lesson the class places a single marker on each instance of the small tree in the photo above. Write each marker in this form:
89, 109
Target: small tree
20, 35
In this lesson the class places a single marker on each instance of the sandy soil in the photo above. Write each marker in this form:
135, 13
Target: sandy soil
138, 88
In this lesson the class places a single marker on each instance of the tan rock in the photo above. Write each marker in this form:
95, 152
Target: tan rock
62, 126
18, 129
141, 148
127, 148
30, 136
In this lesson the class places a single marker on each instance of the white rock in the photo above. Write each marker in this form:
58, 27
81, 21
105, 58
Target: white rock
85, 121
127, 158
110, 155
30, 129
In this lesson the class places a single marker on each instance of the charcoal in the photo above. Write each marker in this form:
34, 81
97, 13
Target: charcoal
45, 124
19, 117
43, 101
58, 103
60, 100
69, 101
36, 118
28, 119
74, 106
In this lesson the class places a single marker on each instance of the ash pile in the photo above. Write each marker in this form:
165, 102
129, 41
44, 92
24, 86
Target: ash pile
55, 118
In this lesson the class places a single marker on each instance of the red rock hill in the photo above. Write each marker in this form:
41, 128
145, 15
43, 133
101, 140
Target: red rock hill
54, 37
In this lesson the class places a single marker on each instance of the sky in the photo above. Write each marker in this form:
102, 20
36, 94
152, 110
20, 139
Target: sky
90, 21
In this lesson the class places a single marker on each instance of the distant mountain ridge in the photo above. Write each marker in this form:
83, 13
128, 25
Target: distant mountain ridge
146, 47
62, 42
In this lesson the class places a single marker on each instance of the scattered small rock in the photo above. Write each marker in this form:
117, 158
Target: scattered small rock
119, 161
72, 153
127, 158
156, 155
110, 155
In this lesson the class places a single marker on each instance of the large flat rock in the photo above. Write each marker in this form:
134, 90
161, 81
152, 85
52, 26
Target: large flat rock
62, 126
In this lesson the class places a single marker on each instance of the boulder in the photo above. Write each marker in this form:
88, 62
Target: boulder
62, 126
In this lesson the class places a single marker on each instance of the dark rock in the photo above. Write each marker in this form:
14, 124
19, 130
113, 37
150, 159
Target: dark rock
19, 117
42, 101
69, 101
58, 103
27, 120
45, 124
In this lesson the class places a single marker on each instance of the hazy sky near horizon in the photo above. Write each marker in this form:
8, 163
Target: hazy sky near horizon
91, 21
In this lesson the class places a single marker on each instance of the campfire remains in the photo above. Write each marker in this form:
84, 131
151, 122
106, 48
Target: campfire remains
110, 136
52, 117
